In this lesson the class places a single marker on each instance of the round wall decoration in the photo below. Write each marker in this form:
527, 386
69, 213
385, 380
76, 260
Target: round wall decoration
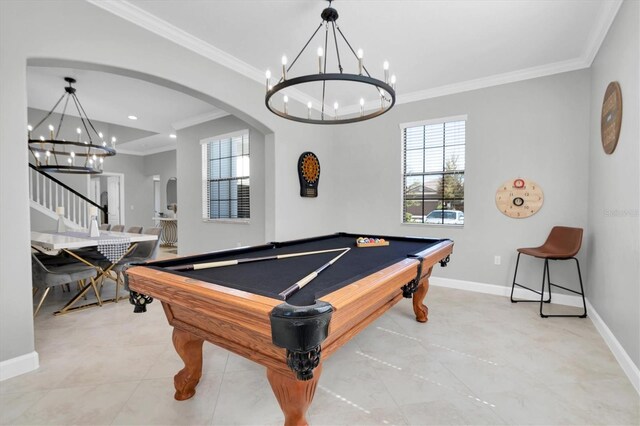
519, 198
309, 174
611, 117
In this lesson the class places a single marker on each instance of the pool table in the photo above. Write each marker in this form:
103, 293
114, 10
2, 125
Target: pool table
239, 307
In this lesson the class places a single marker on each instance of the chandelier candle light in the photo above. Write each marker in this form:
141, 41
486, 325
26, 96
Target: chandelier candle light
384, 90
92, 151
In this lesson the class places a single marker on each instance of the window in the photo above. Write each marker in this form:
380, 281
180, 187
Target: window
225, 176
433, 172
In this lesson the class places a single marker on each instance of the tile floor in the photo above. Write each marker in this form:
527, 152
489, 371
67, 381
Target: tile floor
479, 360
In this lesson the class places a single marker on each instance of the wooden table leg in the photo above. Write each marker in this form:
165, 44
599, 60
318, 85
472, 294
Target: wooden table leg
189, 347
421, 311
294, 396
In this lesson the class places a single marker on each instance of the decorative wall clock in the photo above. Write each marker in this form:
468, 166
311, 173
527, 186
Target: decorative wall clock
519, 198
611, 117
309, 174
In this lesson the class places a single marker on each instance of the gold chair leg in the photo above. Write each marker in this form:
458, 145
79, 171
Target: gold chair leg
35, 290
117, 286
46, 292
69, 306
81, 285
95, 290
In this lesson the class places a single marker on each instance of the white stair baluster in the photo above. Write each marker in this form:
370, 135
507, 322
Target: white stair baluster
37, 200
31, 184
47, 195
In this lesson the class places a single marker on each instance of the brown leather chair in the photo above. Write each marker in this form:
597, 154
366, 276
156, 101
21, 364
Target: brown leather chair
563, 243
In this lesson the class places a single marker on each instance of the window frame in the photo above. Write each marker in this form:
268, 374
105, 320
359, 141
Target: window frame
204, 177
432, 121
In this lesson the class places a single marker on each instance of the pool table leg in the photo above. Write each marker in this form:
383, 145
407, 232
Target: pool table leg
419, 308
294, 396
189, 347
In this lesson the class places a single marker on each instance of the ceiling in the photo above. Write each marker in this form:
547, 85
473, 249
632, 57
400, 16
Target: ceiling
434, 47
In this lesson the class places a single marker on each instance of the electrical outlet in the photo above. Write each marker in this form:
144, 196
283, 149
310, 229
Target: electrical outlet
496, 260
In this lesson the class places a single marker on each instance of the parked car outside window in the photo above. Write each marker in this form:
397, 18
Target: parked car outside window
445, 217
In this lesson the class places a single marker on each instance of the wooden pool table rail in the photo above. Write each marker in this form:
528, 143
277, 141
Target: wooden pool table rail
239, 321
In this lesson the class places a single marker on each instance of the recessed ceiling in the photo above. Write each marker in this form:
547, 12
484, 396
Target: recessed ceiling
433, 46
111, 98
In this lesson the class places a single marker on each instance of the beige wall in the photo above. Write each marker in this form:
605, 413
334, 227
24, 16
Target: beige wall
195, 234
614, 187
162, 164
537, 129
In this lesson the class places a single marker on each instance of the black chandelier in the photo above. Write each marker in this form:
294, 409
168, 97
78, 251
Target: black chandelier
59, 155
384, 90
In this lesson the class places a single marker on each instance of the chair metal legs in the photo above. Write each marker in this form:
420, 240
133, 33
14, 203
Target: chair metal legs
44, 296
527, 288
118, 282
117, 286
581, 292
68, 307
546, 276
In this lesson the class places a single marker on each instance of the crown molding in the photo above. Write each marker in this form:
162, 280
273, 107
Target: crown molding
479, 83
150, 22
147, 151
608, 13
128, 152
158, 150
198, 119
494, 80
164, 29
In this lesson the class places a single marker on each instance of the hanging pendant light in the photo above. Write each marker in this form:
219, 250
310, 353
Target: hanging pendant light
84, 156
378, 90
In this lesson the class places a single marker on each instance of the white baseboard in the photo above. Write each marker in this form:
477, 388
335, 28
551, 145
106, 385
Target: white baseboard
19, 365
623, 358
499, 290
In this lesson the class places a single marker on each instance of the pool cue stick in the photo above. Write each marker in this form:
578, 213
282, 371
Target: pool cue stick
198, 266
304, 281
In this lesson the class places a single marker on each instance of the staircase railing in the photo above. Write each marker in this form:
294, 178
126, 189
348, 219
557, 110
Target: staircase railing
50, 193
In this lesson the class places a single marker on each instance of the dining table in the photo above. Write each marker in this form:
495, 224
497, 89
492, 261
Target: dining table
110, 246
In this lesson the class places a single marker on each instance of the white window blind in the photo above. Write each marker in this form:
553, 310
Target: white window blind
433, 172
225, 177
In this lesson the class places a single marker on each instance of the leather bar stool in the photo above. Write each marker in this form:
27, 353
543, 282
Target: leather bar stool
563, 243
